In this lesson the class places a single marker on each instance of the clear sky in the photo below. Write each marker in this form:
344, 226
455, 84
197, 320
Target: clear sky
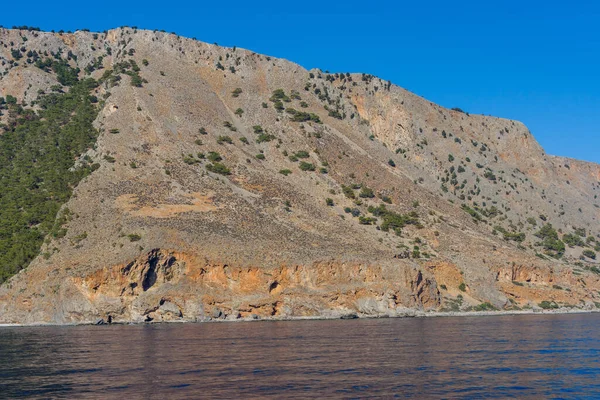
534, 61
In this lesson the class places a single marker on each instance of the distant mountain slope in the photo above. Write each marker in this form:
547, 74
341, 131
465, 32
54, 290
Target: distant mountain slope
229, 184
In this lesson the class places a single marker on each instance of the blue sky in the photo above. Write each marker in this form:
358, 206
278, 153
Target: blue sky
534, 61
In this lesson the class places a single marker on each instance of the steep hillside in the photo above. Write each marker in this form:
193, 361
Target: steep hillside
228, 184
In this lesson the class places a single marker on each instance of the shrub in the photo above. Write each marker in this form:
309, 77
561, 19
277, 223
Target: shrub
391, 163
392, 220
260, 156
264, 137
572, 240
366, 193
190, 160
589, 254
548, 305
329, 202
348, 192
279, 95
218, 168
224, 139
244, 140
304, 166
487, 306
229, 125
239, 112
302, 154
285, 172
553, 246
202, 131
236, 92
134, 237
462, 287
214, 156
471, 212
366, 220
489, 175
301, 116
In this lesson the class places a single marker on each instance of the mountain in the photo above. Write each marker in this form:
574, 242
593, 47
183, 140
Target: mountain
150, 177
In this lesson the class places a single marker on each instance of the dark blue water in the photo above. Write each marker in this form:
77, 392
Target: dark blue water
549, 356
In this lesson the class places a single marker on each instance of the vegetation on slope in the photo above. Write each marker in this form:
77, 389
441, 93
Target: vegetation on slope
37, 168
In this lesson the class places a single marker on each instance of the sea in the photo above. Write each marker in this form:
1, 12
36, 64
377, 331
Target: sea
510, 356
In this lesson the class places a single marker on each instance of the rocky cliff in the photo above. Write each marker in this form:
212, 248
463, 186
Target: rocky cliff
228, 184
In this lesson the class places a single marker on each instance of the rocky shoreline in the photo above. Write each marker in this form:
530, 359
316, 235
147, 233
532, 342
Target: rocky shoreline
350, 316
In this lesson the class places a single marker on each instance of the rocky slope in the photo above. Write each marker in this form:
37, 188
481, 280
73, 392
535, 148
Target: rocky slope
229, 184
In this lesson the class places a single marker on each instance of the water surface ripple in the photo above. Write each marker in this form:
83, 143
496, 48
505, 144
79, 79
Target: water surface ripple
524, 356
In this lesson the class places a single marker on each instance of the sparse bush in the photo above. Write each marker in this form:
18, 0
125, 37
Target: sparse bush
229, 125
218, 168
589, 254
366, 220
548, 305
392, 220
485, 307
214, 156
348, 192
134, 237
304, 166
366, 193
572, 240
224, 139
302, 154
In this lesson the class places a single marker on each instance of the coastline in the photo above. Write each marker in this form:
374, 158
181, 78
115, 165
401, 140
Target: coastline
351, 316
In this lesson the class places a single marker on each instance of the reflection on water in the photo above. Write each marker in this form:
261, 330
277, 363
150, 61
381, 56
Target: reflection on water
498, 357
